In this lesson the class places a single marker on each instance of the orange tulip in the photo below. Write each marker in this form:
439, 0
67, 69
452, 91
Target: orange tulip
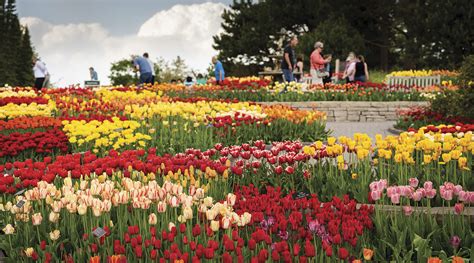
458, 260
356, 261
434, 260
95, 259
368, 254
117, 259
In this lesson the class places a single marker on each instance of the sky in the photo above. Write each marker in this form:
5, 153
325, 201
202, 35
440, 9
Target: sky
72, 35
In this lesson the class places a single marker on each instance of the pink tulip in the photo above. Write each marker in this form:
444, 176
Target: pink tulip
376, 195
430, 193
458, 208
395, 199
418, 195
413, 182
428, 185
406, 191
457, 189
446, 194
408, 210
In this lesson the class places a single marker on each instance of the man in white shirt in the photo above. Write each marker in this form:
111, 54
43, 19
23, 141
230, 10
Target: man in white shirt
152, 66
41, 72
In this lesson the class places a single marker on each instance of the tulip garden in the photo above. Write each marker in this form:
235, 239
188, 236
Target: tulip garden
166, 173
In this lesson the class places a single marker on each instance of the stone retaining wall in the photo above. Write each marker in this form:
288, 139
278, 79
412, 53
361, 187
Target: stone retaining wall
356, 111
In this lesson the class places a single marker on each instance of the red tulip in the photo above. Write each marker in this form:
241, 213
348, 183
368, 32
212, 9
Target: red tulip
343, 253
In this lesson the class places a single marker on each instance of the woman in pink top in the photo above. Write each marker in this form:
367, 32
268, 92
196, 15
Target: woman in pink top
317, 63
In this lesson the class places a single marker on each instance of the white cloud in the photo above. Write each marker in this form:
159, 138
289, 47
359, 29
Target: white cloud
69, 49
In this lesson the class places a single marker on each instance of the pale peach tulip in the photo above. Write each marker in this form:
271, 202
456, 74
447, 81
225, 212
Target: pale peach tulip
215, 225
152, 219
82, 209
53, 217
36, 219
8, 229
54, 235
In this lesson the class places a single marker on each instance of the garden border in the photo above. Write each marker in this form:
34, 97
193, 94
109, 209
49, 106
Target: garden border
355, 111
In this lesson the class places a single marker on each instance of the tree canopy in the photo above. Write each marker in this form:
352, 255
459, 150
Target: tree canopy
16, 52
392, 33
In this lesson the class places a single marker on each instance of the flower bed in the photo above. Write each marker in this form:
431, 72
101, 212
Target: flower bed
417, 117
126, 175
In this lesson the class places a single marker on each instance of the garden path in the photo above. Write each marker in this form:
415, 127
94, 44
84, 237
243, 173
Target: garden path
371, 128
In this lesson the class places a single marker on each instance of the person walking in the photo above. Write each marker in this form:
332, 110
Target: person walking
288, 62
142, 65
93, 74
152, 66
40, 72
318, 71
361, 71
218, 70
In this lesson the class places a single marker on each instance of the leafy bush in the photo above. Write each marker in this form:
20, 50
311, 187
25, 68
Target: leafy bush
458, 103
467, 71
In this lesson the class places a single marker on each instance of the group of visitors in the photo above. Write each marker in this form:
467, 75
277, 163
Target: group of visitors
321, 70
141, 64
356, 69
146, 67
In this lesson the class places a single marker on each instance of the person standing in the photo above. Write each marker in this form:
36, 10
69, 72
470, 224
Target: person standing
349, 69
40, 72
93, 74
318, 71
152, 66
200, 79
298, 70
329, 70
218, 70
142, 65
361, 70
289, 60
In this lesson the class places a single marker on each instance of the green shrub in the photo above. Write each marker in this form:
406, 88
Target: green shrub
467, 71
458, 103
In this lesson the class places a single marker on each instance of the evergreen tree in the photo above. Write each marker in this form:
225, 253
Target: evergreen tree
15, 48
11, 44
403, 33
24, 70
3, 49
